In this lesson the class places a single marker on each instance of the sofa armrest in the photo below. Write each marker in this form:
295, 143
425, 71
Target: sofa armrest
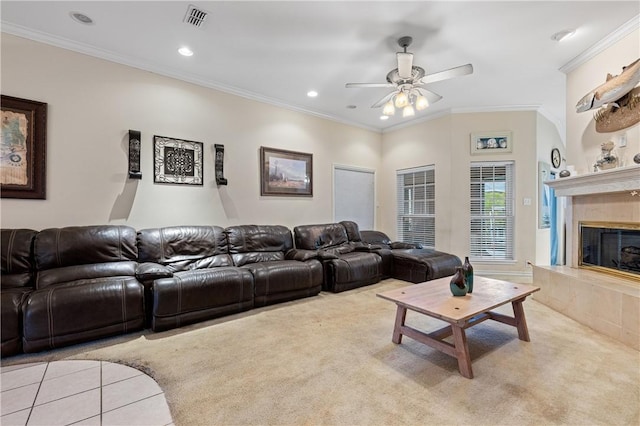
401, 245
301, 254
369, 248
149, 271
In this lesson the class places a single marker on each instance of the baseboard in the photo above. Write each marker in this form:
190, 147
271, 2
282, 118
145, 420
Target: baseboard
519, 276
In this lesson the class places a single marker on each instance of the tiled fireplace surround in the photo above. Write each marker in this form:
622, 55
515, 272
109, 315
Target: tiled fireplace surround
606, 303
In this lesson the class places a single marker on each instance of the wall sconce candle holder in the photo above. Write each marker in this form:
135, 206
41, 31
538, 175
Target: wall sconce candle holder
219, 165
134, 155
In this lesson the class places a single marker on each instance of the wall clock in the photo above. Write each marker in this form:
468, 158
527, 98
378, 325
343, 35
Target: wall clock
556, 158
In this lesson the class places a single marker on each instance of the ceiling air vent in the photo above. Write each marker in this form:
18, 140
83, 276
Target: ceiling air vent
195, 16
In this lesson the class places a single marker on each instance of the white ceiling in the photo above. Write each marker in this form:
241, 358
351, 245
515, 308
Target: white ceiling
277, 51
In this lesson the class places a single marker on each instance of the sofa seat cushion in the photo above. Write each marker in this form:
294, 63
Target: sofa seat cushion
11, 300
285, 280
420, 265
353, 270
201, 294
81, 311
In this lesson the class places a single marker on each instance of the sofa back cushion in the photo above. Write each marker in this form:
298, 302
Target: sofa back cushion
17, 257
258, 243
317, 237
83, 245
353, 231
183, 248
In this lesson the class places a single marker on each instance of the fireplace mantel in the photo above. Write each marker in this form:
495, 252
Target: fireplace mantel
620, 179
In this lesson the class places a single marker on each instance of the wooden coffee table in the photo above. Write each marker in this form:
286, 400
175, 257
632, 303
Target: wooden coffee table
433, 298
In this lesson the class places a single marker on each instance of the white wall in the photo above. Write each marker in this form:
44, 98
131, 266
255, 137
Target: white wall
445, 142
93, 103
583, 142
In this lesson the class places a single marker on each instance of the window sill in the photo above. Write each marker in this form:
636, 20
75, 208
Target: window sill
492, 262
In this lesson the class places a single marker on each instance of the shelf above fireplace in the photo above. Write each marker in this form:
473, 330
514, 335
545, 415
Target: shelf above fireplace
621, 179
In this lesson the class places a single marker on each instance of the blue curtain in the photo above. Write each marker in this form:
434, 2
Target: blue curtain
553, 216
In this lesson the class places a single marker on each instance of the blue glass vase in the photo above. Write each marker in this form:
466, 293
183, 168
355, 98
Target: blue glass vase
457, 285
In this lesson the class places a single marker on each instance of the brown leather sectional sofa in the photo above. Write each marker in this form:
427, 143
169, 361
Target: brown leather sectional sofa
62, 286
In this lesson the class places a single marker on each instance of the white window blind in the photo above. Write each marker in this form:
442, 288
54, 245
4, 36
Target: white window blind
492, 210
416, 189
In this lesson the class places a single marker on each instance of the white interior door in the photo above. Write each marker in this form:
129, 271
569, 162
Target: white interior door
354, 196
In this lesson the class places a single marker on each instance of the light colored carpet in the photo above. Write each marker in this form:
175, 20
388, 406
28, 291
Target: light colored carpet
329, 360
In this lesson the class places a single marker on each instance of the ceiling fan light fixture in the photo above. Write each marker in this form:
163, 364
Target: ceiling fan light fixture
402, 100
389, 109
421, 103
408, 111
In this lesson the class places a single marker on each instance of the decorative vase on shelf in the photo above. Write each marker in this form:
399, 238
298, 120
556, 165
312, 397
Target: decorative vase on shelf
457, 285
467, 270
608, 158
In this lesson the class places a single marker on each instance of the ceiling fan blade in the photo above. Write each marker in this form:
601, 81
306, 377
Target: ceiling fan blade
446, 74
356, 85
432, 97
384, 100
405, 64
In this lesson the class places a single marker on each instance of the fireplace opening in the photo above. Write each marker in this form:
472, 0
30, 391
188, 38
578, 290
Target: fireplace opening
610, 247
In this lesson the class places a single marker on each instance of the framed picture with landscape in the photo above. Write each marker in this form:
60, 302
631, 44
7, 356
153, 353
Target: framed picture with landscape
491, 143
285, 173
23, 148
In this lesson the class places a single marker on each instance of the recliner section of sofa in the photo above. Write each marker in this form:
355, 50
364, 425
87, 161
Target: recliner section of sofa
347, 265
16, 283
85, 287
267, 252
192, 276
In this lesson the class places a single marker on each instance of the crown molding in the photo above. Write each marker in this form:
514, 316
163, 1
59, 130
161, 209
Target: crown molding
423, 119
612, 38
85, 49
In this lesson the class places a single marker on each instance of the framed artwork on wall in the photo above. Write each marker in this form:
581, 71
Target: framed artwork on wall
177, 161
285, 173
23, 148
491, 143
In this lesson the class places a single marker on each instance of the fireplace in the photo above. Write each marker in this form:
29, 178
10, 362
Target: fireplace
607, 302
610, 247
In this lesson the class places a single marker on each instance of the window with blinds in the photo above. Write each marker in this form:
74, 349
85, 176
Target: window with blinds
492, 210
416, 189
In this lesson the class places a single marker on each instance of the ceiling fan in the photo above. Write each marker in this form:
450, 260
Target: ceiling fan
408, 81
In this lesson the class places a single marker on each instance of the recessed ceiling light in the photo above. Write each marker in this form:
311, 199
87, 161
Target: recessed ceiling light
562, 35
312, 93
81, 18
185, 51
384, 117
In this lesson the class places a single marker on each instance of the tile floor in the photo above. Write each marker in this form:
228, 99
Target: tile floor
80, 393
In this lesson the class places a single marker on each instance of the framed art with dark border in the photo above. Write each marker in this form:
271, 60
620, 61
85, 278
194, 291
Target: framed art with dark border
23, 148
177, 161
285, 173
491, 143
